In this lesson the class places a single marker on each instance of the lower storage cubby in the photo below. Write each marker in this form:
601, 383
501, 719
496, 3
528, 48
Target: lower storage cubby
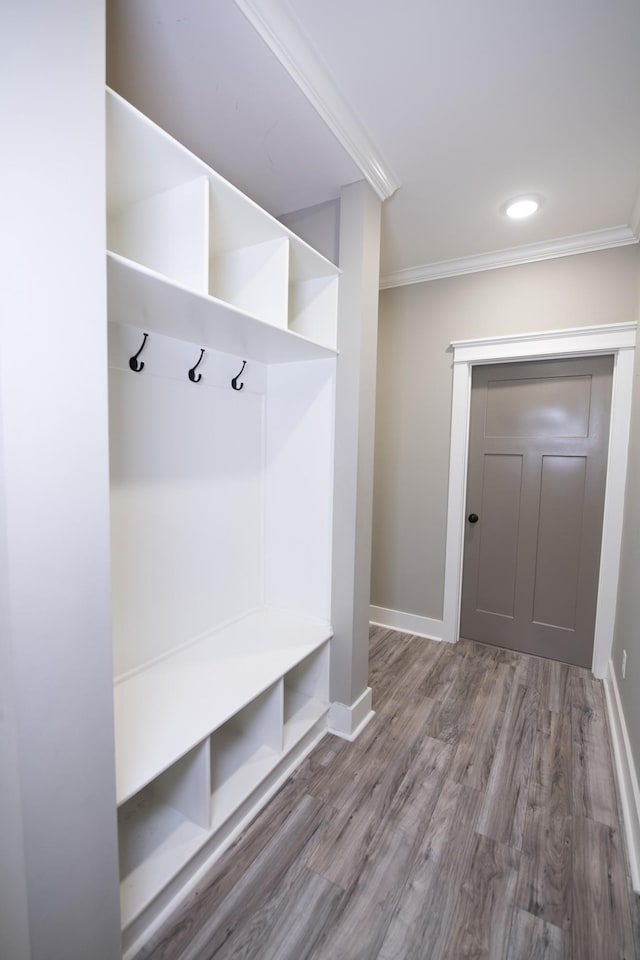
306, 689
244, 751
160, 829
186, 812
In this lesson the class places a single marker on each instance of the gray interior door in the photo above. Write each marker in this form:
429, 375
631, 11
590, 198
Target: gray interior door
536, 477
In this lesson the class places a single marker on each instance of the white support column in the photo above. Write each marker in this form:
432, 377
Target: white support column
58, 821
355, 414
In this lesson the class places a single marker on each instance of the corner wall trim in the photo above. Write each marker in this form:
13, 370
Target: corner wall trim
406, 623
348, 721
625, 774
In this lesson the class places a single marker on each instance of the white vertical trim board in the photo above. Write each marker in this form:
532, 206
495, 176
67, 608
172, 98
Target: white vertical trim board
406, 623
626, 774
612, 521
617, 339
348, 721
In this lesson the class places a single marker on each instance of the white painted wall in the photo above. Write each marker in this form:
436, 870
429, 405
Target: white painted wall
355, 407
413, 415
55, 658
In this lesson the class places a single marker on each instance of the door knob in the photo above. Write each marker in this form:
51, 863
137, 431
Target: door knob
473, 518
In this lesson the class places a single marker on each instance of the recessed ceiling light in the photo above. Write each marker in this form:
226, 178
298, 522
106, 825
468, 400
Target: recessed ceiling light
521, 207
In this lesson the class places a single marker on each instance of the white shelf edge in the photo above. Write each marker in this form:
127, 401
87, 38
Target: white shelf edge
150, 303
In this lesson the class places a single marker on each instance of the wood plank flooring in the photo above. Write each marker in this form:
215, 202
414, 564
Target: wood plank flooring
475, 817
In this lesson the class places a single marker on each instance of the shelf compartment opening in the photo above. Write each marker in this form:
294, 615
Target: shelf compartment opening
306, 696
244, 751
160, 829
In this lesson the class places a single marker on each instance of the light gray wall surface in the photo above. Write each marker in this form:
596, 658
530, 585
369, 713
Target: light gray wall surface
319, 226
413, 406
55, 654
627, 631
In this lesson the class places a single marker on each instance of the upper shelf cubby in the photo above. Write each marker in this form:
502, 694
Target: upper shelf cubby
142, 160
170, 213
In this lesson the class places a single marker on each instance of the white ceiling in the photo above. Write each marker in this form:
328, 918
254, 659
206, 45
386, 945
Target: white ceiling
464, 104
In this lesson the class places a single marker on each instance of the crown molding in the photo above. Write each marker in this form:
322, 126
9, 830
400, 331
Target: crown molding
548, 250
286, 40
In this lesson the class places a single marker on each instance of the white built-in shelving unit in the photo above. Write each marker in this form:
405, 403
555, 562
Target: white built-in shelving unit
221, 506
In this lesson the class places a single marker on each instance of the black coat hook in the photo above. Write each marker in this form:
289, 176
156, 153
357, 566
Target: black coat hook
135, 364
196, 378
234, 382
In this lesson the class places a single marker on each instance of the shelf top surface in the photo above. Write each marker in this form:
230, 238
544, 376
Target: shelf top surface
142, 298
163, 711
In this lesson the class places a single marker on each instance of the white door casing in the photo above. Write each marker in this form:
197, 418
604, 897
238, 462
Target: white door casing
616, 339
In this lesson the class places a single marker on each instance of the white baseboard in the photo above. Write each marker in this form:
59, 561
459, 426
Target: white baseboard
625, 774
348, 722
406, 623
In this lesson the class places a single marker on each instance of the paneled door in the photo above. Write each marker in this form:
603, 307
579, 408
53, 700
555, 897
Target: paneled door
538, 443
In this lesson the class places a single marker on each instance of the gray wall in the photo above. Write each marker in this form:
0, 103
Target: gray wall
319, 226
59, 881
413, 411
627, 632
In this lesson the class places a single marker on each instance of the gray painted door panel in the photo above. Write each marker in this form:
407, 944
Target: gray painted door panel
537, 466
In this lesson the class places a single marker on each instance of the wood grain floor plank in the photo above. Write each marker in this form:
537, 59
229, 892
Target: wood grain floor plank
558, 688
358, 929
481, 921
356, 767
594, 787
601, 926
418, 792
544, 881
456, 712
504, 809
402, 688
435, 684
286, 925
477, 746
420, 923
402, 794
296, 927
319, 762
534, 939
389, 659
634, 901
